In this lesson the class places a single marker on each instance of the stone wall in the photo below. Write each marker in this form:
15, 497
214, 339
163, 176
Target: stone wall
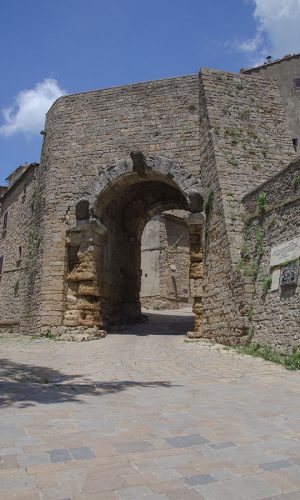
18, 243
272, 218
175, 282
166, 261
89, 132
280, 189
243, 141
250, 139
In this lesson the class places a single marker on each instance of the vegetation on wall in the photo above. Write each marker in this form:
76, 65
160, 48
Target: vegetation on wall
34, 237
259, 239
240, 86
266, 281
247, 266
34, 240
208, 203
295, 181
34, 199
245, 114
272, 223
261, 200
250, 313
192, 107
249, 269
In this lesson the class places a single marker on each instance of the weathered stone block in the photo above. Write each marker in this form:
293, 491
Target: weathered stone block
73, 315
198, 323
198, 306
196, 270
88, 288
196, 255
87, 305
197, 288
81, 275
71, 299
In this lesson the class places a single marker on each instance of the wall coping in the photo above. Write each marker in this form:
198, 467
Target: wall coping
259, 188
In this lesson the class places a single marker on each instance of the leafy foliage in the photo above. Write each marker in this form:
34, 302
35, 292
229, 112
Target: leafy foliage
290, 362
208, 203
261, 200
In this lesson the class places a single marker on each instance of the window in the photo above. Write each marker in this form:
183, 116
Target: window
297, 83
5, 218
1, 263
295, 144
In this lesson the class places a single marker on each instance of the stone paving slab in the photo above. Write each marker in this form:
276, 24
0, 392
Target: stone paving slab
144, 415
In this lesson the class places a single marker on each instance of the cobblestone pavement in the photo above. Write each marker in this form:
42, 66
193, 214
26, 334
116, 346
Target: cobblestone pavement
144, 415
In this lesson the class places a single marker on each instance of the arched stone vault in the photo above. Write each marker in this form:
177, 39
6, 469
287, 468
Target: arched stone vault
153, 167
104, 280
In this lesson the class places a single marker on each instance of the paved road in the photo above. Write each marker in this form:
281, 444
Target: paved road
144, 415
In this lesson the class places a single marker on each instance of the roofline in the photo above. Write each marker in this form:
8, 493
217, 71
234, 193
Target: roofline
123, 86
30, 167
16, 170
275, 61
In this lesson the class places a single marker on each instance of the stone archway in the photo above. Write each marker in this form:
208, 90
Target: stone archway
103, 283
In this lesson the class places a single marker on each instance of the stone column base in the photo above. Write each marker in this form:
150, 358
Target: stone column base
194, 335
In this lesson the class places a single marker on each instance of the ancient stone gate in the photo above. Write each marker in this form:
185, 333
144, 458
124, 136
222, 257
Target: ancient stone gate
113, 158
104, 245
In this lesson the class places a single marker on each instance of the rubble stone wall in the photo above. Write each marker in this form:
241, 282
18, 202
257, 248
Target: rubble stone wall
18, 242
243, 141
166, 258
86, 133
274, 314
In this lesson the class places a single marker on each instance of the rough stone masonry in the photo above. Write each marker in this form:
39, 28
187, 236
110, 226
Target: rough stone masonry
70, 253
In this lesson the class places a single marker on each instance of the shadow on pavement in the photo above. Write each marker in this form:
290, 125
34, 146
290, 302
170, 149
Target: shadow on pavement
24, 385
159, 324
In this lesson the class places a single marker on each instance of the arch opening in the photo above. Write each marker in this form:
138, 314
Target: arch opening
104, 281
125, 214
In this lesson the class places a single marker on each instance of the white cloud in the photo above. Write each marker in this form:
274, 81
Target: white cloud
277, 30
27, 114
251, 45
280, 21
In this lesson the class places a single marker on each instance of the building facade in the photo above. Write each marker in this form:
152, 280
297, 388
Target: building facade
286, 73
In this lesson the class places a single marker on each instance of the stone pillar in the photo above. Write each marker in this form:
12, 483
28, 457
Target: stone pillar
196, 224
83, 318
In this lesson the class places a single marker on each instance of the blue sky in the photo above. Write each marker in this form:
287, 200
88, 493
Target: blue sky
52, 47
